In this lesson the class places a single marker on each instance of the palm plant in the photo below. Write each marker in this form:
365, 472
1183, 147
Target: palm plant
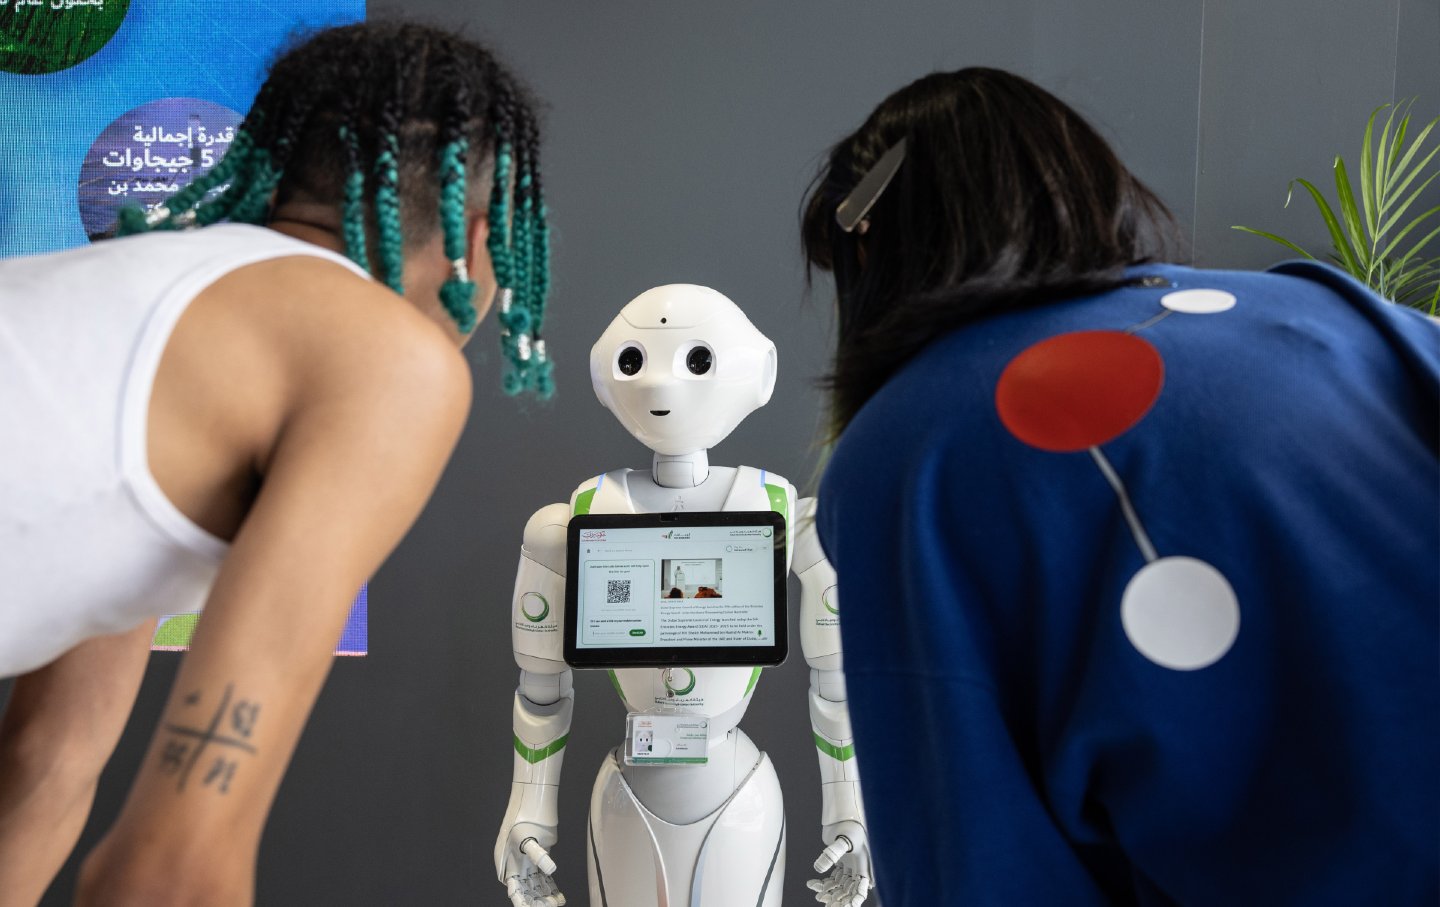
1366, 236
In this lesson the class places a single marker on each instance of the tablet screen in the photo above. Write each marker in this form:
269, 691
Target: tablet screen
676, 589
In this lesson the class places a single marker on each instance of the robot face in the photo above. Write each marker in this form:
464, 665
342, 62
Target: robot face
680, 367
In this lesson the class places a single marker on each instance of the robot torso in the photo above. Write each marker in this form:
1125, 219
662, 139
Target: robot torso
720, 694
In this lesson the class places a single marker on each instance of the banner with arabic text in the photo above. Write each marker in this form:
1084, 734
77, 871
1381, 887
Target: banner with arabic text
105, 103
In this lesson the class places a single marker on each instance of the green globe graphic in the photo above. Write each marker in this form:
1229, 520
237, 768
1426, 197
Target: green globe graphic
37, 38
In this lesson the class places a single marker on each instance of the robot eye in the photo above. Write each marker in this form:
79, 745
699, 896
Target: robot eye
699, 360
630, 361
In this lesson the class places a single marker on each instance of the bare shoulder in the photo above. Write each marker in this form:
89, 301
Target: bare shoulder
293, 343
334, 334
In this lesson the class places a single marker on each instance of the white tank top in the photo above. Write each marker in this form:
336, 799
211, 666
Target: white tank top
89, 544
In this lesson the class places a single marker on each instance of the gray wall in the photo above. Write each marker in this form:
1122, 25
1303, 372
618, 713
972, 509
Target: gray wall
680, 138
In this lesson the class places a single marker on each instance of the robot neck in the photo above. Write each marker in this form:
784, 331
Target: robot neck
682, 471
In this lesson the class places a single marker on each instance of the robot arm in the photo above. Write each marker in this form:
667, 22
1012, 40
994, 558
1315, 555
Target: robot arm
842, 820
544, 703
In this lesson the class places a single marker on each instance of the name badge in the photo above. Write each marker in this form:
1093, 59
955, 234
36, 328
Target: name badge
660, 739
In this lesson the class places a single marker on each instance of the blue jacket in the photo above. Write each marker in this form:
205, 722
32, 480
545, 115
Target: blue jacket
1054, 700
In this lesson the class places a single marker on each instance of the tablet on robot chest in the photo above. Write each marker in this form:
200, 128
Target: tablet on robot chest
671, 589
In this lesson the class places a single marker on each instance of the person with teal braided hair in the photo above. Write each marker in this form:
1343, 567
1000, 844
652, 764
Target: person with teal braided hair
278, 347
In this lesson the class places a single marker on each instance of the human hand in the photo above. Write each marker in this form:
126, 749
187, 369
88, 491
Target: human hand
847, 859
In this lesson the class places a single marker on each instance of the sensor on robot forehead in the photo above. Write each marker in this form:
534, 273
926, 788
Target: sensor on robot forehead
677, 306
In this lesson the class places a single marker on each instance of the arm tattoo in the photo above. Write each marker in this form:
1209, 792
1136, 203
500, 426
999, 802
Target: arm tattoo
228, 731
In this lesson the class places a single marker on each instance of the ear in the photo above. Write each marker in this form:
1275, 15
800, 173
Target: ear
599, 375
477, 238
767, 381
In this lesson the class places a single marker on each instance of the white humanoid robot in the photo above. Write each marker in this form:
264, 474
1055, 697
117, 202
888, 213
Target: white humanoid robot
680, 367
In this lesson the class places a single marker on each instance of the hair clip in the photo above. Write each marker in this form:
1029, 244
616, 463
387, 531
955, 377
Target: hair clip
862, 198
539, 350
506, 296
462, 271
522, 347
155, 215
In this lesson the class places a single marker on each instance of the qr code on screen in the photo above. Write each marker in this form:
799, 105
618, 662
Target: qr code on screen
618, 592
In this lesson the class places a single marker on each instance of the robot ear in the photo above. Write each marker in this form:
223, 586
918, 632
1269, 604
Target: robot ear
767, 379
599, 380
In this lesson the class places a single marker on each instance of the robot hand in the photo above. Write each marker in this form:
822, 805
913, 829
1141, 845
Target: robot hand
849, 855
526, 867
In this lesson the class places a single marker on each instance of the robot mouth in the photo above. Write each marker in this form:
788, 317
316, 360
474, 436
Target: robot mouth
659, 412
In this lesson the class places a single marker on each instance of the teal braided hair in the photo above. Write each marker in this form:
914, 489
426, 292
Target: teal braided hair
389, 122
387, 190
353, 212
519, 250
457, 294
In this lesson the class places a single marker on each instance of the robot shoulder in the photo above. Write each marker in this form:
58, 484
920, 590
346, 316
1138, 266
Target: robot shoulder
605, 493
805, 538
760, 489
773, 478
545, 536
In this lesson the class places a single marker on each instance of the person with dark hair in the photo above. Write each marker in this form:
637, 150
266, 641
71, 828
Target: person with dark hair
239, 416
1150, 594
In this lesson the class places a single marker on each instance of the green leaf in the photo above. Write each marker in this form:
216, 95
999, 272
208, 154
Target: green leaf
1351, 216
1396, 143
1368, 231
1382, 153
1419, 296
1337, 234
1408, 202
1416, 278
1420, 272
1405, 259
1410, 152
1405, 232
1367, 173
1419, 245
1404, 178
1280, 239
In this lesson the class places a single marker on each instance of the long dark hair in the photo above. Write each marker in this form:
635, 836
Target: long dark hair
1006, 198
402, 127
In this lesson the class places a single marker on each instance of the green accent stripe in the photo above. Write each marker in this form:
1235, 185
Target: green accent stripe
615, 682
533, 756
670, 760
582, 501
838, 753
779, 501
754, 679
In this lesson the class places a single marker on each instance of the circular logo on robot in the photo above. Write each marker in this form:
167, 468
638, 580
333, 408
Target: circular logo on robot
534, 606
671, 677
826, 598
44, 36
1180, 613
1079, 390
148, 154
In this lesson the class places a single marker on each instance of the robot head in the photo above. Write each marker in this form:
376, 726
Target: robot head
680, 367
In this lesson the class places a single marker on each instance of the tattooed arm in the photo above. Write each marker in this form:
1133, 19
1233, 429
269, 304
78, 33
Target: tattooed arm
371, 416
